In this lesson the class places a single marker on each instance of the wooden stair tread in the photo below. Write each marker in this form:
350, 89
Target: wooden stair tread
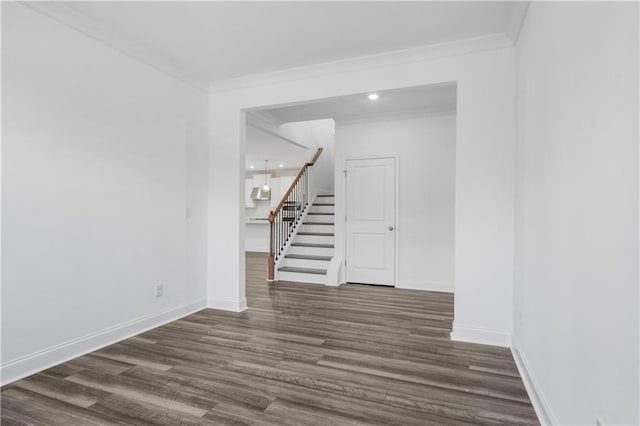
312, 245
318, 223
320, 234
308, 257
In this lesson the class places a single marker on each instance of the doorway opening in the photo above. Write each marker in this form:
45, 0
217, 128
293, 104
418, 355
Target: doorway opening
390, 167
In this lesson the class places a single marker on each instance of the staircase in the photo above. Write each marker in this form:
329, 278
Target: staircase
301, 235
309, 256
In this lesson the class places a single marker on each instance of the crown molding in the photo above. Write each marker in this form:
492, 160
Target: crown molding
277, 134
82, 23
397, 57
400, 115
270, 125
70, 17
516, 20
264, 117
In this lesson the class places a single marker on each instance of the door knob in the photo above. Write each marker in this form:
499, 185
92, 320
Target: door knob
391, 228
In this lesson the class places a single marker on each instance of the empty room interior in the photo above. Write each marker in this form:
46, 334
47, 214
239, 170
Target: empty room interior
320, 213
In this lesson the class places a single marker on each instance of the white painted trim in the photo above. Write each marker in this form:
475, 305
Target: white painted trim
301, 278
264, 117
232, 305
536, 395
66, 15
396, 158
88, 26
333, 271
439, 286
35, 362
84, 24
405, 56
403, 115
482, 335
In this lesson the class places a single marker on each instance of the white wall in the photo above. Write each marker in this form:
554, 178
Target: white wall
485, 143
576, 292
426, 172
98, 152
257, 237
316, 134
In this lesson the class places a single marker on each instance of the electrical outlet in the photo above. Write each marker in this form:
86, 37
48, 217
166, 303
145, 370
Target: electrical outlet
187, 213
159, 290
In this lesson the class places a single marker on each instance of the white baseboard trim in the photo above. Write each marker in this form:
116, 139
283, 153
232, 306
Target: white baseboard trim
227, 304
538, 400
439, 286
33, 363
485, 336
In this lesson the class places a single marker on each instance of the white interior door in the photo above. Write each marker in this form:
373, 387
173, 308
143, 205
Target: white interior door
371, 221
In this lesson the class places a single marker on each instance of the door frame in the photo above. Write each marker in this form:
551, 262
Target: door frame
396, 207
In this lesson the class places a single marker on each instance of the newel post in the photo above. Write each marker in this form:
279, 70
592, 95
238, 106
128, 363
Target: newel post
271, 261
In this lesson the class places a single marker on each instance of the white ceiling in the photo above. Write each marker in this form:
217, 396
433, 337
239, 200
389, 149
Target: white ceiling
414, 100
203, 42
262, 146
423, 100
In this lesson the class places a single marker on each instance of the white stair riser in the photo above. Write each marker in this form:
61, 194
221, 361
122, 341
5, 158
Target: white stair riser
312, 251
320, 218
303, 278
322, 209
314, 239
317, 228
305, 263
329, 200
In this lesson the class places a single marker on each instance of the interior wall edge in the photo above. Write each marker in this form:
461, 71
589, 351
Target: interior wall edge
231, 305
532, 385
481, 335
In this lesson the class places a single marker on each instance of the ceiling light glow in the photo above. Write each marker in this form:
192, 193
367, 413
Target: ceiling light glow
373, 96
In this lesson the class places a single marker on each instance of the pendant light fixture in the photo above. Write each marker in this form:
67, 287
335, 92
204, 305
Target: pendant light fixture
266, 187
262, 192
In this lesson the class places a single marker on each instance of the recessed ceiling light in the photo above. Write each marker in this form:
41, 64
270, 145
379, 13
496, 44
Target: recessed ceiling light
281, 165
251, 167
373, 96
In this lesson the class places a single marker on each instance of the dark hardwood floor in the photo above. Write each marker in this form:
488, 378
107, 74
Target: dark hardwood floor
301, 354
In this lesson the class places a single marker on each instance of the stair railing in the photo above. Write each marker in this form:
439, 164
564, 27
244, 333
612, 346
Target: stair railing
286, 215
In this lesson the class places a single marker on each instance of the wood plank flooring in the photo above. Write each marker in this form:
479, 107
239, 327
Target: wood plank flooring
302, 354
